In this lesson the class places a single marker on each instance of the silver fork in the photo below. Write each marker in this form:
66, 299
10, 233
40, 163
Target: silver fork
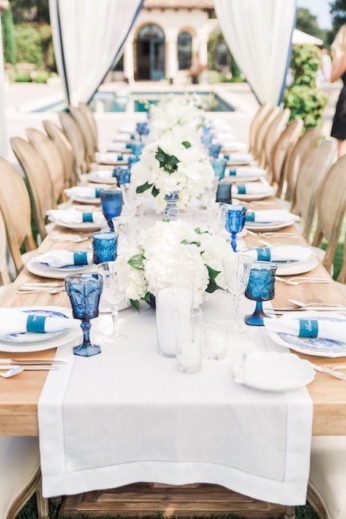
300, 281
74, 239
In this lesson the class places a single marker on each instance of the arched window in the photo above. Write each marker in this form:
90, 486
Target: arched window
184, 50
151, 53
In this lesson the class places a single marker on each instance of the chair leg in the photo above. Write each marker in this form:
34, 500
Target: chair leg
42, 503
290, 512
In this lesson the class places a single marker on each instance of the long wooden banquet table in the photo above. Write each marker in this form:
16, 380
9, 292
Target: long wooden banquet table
19, 404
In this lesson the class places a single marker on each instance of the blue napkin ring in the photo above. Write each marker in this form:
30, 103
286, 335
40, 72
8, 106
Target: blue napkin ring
87, 217
263, 254
80, 258
308, 328
250, 216
241, 189
35, 324
120, 157
232, 172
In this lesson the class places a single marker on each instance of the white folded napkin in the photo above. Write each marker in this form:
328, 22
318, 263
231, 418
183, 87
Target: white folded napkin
128, 127
240, 157
271, 216
246, 172
16, 321
108, 158
116, 146
121, 137
223, 135
75, 216
64, 258
252, 189
308, 328
233, 145
280, 253
83, 192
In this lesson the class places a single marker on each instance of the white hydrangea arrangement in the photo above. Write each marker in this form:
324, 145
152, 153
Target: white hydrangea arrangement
171, 253
171, 165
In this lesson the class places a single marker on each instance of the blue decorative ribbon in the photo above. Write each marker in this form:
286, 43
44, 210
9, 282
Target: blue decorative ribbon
308, 328
250, 216
232, 172
87, 217
241, 189
98, 192
120, 157
35, 324
80, 258
263, 254
226, 156
129, 146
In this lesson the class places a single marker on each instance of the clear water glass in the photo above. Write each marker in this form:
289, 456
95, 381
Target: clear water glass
131, 199
237, 269
114, 287
215, 336
235, 222
261, 287
84, 291
123, 227
189, 341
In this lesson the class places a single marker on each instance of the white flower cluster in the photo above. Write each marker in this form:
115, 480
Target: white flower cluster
192, 176
181, 113
172, 254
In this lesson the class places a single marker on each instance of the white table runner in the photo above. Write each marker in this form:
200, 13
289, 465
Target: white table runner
128, 416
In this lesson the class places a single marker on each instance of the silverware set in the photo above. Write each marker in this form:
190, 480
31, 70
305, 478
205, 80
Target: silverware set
48, 288
299, 280
9, 367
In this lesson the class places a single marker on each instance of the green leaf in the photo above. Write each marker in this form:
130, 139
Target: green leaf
155, 191
213, 273
199, 231
137, 261
187, 242
143, 187
212, 287
186, 144
135, 304
146, 297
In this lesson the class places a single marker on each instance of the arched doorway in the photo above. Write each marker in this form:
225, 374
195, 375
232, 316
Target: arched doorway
184, 50
151, 53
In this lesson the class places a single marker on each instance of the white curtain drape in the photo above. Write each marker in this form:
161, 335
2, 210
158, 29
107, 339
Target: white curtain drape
89, 37
258, 34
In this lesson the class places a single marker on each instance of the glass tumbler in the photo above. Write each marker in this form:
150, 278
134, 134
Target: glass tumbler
111, 205
105, 246
219, 167
214, 150
261, 287
189, 341
215, 336
84, 291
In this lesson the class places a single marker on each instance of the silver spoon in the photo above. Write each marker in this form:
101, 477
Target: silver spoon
74, 239
42, 290
12, 372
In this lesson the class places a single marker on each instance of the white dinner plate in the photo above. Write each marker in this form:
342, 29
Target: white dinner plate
54, 273
298, 267
315, 347
96, 179
254, 196
24, 337
81, 200
83, 226
112, 160
270, 226
233, 147
69, 336
273, 371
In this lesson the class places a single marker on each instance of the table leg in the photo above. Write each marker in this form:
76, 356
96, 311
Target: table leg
42, 503
290, 512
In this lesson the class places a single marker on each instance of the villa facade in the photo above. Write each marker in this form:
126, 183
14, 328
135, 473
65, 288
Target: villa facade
169, 39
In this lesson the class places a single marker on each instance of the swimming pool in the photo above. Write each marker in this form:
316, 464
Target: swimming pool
140, 102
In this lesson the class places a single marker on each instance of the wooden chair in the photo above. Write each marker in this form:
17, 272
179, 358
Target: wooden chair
273, 133
65, 150
75, 138
39, 180
92, 122
326, 490
331, 207
262, 131
86, 131
296, 157
4, 273
52, 159
17, 216
282, 149
261, 113
20, 476
311, 174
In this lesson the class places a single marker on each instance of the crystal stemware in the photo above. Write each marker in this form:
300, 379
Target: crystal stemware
84, 291
235, 221
142, 129
123, 175
111, 205
114, 287
260, 288
237, 269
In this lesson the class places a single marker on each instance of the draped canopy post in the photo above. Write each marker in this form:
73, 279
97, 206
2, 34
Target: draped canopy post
259, 35
88, 39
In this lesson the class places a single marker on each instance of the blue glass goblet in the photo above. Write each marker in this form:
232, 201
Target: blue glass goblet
206, 139
123, 175
219, 167
105, 246
142, 129
84, 291
260, 288
214, 150
235, 221
111, 205
136, 148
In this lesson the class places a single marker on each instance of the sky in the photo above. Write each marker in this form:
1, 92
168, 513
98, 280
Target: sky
321, 9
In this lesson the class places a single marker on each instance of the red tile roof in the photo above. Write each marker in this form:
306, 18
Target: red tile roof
179, 4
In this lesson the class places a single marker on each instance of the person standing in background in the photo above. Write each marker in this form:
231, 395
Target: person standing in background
338, 71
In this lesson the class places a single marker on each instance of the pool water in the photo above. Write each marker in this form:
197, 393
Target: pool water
141, 101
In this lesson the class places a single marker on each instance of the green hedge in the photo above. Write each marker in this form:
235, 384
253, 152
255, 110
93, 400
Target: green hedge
34, 44
8, 38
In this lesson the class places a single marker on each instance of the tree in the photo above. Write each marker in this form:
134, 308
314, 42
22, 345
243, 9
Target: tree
8, 37
30, 11
307, 22
338, 11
